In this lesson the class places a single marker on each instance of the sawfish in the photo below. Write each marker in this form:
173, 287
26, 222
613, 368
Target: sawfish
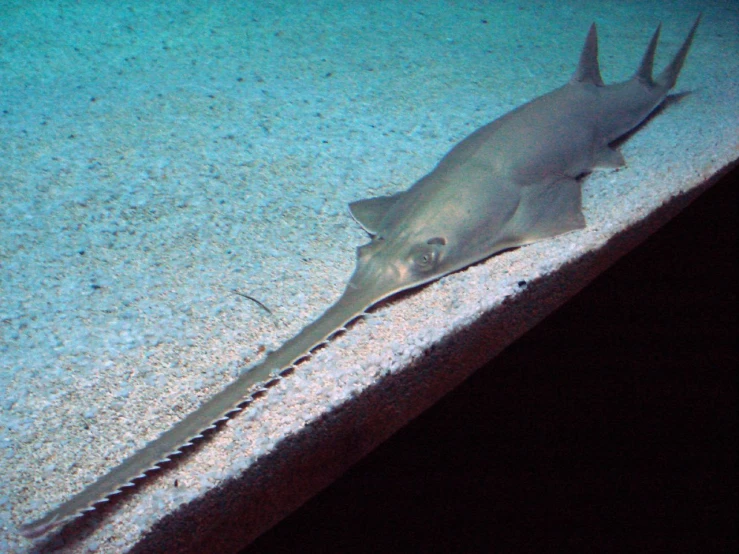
515, 181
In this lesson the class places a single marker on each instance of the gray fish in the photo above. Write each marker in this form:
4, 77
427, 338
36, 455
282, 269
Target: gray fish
512, 182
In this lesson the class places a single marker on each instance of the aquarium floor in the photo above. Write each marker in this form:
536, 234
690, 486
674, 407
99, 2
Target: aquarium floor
159, 162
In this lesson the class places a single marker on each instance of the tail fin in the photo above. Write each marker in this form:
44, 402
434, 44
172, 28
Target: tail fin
668, 77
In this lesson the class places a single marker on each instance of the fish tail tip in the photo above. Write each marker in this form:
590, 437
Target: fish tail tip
669, 75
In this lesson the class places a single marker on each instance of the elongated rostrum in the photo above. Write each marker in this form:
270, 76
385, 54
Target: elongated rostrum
512, 182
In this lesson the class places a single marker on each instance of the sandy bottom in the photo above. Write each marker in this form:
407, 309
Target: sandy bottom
156, 159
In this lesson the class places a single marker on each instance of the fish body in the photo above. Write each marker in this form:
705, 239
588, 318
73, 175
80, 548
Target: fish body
512, 182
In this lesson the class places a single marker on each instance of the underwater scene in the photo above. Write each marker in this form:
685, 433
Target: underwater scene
175, 183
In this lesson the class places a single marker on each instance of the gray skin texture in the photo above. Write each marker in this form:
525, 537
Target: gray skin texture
512, 182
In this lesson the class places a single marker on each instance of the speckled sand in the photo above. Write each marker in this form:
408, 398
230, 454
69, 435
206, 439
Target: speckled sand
154, 158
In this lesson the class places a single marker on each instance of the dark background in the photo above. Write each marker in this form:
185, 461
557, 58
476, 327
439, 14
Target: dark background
610, 427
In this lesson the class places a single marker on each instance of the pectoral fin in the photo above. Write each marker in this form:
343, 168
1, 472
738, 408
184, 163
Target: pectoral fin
370, 211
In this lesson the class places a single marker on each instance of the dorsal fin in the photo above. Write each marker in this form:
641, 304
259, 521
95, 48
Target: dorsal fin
588, 70
644, 73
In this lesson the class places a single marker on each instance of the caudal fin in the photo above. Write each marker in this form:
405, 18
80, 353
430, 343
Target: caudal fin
668, 77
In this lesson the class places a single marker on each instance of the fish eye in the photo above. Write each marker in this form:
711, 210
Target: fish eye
425, 257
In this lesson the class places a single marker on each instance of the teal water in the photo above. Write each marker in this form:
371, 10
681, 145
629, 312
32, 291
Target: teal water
155, 158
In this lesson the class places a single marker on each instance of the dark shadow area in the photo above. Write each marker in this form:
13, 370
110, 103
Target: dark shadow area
610, 427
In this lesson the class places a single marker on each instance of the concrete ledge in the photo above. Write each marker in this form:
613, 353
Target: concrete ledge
613, 413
